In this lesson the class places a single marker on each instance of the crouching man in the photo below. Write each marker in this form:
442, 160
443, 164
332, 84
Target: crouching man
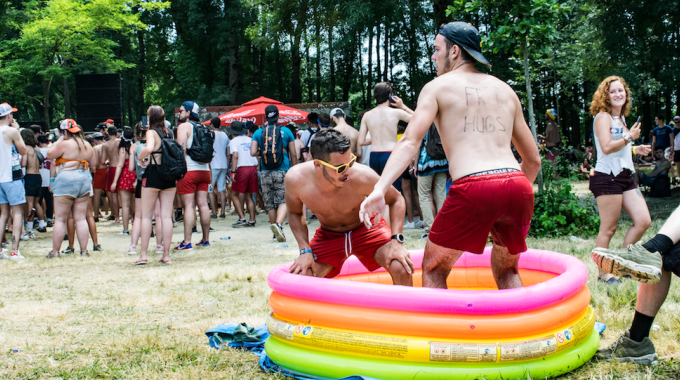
333, 186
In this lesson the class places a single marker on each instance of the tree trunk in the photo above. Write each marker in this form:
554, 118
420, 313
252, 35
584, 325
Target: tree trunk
387, 49
439, 7
281, 91
377, 53
140, 74
67, 99
234, 70
530, 106
331, 58
369, 88
46, 104
318, 59
308, 70
361, 70
575, 119
349, 69
260, 76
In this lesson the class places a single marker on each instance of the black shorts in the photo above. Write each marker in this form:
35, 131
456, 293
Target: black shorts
608, 184
152, 179
44, 194
138, 189
32, 184
676, 156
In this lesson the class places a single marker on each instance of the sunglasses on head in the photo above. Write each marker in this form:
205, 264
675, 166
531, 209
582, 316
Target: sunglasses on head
342, 168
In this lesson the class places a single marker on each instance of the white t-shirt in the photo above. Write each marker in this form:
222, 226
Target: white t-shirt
45, 168
304, 136
241, 144
220, 145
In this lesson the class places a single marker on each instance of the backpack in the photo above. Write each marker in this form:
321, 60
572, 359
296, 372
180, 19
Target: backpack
174, 166
38, 154
434, 148
311, 134
272, 153
201, 149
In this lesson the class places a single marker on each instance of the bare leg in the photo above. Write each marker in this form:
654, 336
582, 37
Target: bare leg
610, 211
30, 204
115, 206
238, 205
4, 217
437, 263
125, 197
636, 207
504, 268
651, 297
62, 210
71, 230
79, 212
212, 199
149, 196
91, 224
96, 202
251, 207
281, 213
159, 224
204, 213
396, 269
17, 217
137, 225
406, 192
223, 200
167, 196
189, 201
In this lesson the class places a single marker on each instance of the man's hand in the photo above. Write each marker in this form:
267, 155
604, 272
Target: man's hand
302, 264
373, 204
399, 253
233, 178
643, 150
397, 102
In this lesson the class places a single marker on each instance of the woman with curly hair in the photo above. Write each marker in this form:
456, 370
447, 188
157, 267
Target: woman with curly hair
612, 184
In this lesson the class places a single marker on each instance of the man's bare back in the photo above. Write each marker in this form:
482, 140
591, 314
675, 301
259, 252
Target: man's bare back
110, 149
100, 157
353, 135
381, 122
32, 163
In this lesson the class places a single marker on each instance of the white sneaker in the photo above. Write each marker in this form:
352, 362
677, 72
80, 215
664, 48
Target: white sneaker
3, 255
409, 225
174, 224
420, 224
16, 256
159, 249
25, 237
32, 234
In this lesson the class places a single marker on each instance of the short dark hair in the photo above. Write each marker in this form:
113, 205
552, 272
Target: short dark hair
252, 127
215, 122
313, 118
349, 120
112, 131
325, 119
36, 129
382, 91
661, 117
29, 137
328, 141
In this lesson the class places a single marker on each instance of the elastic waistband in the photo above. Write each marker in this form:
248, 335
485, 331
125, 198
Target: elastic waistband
491, 176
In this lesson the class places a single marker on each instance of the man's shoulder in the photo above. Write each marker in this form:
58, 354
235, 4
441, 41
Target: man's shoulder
296, 174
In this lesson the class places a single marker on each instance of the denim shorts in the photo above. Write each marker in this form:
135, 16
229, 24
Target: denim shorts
13, 193
219, 176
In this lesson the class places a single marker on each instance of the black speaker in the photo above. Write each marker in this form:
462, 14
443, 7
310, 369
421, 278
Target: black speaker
98, 98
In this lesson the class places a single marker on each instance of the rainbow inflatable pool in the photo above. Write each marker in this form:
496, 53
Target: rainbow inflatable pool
360, 324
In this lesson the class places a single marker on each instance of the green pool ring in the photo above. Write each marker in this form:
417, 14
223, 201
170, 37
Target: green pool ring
337, 366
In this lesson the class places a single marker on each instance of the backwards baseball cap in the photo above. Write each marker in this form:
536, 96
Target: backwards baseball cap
676, 118
467, 37
191, 107
70, 125
6, 109
98, 136
237, 128
271, 113
109, 121
552, 113
336, 112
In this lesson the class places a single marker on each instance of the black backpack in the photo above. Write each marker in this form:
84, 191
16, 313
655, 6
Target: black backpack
661, 187
434, 148
201, 149
272, 152
174, 166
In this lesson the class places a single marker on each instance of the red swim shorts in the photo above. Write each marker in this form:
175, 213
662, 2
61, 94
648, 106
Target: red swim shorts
333, 248
245, 180
110, 175
193, 181
502, 204
99, 181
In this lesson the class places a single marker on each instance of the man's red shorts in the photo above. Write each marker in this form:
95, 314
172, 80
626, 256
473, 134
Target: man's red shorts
245, 180
99, 181
110, 176
333, 248
193, 181
502, 204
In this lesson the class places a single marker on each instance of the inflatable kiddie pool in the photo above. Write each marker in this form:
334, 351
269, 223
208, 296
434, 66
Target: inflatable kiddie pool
360, 324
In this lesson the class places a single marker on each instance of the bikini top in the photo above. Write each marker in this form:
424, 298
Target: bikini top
62, 160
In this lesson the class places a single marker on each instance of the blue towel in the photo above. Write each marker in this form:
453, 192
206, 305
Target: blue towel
225, 334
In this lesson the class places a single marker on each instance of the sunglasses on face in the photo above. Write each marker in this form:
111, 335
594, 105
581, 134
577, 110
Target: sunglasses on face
342, 168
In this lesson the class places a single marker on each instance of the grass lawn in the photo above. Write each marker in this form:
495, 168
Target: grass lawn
102, 317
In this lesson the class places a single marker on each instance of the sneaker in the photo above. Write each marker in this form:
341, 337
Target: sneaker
636, 261
159, 249
278, 232
124, 233
611, 281
249, 224
16, 256
65, 237
628, 350
68, 251
213, 216
50, 223
184, 247
239, 223
420, 224
3, 255
97, 248
224, 216
409, 225
212, 229
424, 235
203, 243
25, 237
31, 234
194, 230
174, 224
5, 244
42, 230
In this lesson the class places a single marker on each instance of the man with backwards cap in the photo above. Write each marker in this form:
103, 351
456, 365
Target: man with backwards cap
12, 194
478, 117
340, 124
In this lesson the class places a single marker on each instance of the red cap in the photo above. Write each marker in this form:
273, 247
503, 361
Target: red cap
109, 121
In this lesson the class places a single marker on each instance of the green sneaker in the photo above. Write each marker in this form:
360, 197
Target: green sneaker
627, 350
634, 261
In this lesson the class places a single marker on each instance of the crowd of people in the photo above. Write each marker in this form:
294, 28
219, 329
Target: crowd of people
463, 116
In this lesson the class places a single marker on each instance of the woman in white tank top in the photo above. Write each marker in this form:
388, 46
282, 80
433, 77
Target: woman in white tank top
612, 184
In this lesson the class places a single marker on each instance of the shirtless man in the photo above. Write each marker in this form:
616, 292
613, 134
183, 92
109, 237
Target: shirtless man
99, 170
333, 186
381, 122
340, 124
110, 149
478, 116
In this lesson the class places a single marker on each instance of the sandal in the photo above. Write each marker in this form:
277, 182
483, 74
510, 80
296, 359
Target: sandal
132, 250
165, 262
139, 262
51, 256
84, 254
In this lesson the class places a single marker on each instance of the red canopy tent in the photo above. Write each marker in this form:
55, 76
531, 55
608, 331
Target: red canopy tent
254, 111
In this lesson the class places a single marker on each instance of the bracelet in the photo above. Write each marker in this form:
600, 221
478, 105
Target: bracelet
634, 150
303, 251
52, 179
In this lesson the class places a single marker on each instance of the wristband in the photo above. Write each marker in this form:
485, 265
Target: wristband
52, 179
303, 251
634, 150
